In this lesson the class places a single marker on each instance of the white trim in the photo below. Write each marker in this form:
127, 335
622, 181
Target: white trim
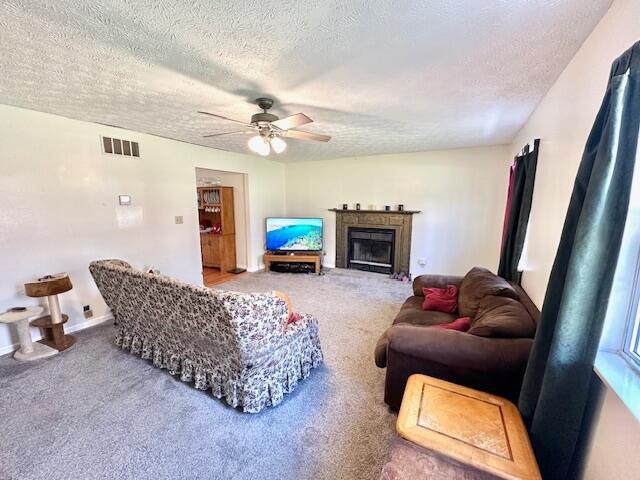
91, 322
255, 269
621, 377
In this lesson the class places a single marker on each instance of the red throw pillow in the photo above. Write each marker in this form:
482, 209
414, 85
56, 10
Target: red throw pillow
460, 324
440, 299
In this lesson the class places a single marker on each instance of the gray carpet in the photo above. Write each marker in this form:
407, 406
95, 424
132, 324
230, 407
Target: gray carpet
96, 411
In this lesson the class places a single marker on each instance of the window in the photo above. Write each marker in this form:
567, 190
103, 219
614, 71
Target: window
624, 303
632, 341
618, 360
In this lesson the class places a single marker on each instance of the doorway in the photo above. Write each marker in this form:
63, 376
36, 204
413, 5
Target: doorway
222, 218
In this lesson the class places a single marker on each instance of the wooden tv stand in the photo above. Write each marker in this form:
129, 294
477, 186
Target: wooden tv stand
293, 257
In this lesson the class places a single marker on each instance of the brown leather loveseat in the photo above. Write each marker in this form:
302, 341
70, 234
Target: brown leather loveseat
491, 356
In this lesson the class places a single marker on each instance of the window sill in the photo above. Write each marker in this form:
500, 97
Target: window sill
618, 374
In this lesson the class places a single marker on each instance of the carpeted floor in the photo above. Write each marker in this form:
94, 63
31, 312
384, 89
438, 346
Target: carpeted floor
100, 412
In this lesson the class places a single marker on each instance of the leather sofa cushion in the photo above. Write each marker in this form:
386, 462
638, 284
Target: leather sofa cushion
411, 312
502, 317
480, 283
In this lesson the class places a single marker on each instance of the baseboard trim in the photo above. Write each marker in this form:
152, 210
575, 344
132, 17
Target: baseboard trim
255, 269
91, 322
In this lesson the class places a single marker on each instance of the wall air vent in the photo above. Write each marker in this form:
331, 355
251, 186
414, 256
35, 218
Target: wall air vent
116, 146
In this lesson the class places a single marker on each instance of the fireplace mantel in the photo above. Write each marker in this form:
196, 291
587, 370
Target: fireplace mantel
399, 221
401, 212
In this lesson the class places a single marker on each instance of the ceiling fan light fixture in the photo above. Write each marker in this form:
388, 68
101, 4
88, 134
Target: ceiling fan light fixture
278, 144
270, 129
259, 145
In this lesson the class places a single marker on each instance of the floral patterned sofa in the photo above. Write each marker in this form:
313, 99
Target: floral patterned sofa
238, 345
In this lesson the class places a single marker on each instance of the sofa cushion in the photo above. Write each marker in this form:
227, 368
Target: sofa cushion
440, 299
476, 285
411, 312
502, 317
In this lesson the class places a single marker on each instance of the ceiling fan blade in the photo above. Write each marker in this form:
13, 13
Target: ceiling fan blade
225, 118
292, 121
225, 133
307, 136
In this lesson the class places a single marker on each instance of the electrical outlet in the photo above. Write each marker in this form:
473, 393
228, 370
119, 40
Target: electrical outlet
179, 220
88, 313
422, 262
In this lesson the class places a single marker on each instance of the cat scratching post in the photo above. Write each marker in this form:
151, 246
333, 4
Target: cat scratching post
52, 325
19, 317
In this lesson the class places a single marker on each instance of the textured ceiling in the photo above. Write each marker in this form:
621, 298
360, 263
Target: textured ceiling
379, 76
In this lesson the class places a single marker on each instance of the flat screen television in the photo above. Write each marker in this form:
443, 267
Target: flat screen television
294, 234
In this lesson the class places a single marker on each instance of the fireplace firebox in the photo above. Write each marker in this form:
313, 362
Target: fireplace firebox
371, 249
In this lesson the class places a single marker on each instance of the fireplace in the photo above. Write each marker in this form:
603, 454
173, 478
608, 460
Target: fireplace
380, 240
371, 249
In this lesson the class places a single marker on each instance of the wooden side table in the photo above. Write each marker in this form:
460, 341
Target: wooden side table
28, 350
482, 432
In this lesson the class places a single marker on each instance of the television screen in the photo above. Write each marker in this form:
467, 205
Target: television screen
294, 234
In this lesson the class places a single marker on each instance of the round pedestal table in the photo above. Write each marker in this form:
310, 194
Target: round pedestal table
28, 350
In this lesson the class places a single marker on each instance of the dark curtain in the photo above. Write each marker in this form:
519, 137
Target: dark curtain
520, 194
556, 383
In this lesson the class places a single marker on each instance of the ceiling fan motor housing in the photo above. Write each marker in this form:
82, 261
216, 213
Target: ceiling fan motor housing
263, 117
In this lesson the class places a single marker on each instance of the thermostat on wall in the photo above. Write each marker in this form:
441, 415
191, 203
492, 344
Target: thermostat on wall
124, 199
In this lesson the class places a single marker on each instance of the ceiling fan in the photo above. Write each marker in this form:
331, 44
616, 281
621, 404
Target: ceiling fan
270, 129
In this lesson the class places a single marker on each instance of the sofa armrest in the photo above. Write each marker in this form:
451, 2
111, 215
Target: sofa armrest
434, 281
306, 321
493, 365
460, 350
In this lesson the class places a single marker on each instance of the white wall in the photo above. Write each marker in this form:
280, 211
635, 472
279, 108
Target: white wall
59, 205
460, 193
614, 449
563, 121
237, 181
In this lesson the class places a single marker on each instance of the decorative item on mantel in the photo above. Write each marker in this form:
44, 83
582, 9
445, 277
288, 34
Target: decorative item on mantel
345, 206
52, 325
357, 206
401, 208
